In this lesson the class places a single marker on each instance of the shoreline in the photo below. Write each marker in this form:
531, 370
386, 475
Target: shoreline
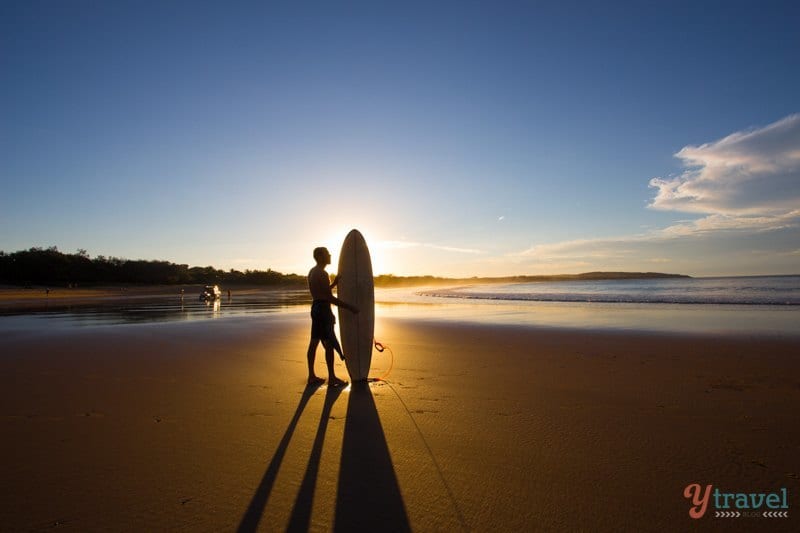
21, 299
158, 305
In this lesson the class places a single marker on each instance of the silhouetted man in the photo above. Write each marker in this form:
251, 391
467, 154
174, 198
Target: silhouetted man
322, 319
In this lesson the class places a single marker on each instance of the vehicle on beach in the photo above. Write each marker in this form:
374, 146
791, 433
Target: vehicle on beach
211, 292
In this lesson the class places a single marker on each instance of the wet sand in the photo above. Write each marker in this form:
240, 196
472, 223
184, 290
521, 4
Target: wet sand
16, 299
208, 426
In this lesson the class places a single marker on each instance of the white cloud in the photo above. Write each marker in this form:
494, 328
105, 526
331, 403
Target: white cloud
747, 173
582, 248
411, 244
719, 222
748, 181
747, 189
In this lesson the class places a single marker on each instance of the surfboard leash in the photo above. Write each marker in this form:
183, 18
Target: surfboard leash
381, 347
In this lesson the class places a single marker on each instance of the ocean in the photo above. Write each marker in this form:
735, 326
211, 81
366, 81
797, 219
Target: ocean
768, 305
764, 305
762, 290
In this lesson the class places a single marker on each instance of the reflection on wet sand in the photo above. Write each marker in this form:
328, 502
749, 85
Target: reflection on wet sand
158, 309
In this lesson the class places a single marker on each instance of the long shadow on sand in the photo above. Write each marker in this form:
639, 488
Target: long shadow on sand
301, 512
259, 502
368, 495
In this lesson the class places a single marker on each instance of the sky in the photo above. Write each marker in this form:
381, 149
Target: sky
461, 138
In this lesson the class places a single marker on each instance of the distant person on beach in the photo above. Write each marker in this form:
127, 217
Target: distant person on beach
322, 319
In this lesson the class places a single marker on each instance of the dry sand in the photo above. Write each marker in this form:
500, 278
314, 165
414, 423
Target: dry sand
207, 426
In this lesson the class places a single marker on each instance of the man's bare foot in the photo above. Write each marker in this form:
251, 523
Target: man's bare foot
336, 383
314, 381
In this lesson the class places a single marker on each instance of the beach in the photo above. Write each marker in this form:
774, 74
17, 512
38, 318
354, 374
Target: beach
562, 239
207, 425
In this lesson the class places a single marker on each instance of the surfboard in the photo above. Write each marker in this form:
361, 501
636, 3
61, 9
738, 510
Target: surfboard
356, 287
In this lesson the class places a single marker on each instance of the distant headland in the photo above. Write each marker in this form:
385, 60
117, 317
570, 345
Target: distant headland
49, 266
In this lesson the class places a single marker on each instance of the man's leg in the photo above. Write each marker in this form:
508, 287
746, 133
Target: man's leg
333, 381
312, 354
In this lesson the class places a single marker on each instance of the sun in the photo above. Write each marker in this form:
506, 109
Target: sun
335, 238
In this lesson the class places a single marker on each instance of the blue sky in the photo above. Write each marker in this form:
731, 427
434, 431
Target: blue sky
463, 138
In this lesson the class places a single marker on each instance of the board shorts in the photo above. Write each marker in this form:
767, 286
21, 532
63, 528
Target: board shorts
322, 322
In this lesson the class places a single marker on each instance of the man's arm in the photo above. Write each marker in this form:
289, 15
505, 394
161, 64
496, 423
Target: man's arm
340, 303
323, 291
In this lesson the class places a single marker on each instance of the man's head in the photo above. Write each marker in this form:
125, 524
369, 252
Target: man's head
322, 256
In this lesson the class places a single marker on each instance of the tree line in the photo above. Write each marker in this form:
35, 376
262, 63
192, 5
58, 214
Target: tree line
49, 266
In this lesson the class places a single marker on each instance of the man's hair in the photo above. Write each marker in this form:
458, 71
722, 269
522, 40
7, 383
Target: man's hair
318, 252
